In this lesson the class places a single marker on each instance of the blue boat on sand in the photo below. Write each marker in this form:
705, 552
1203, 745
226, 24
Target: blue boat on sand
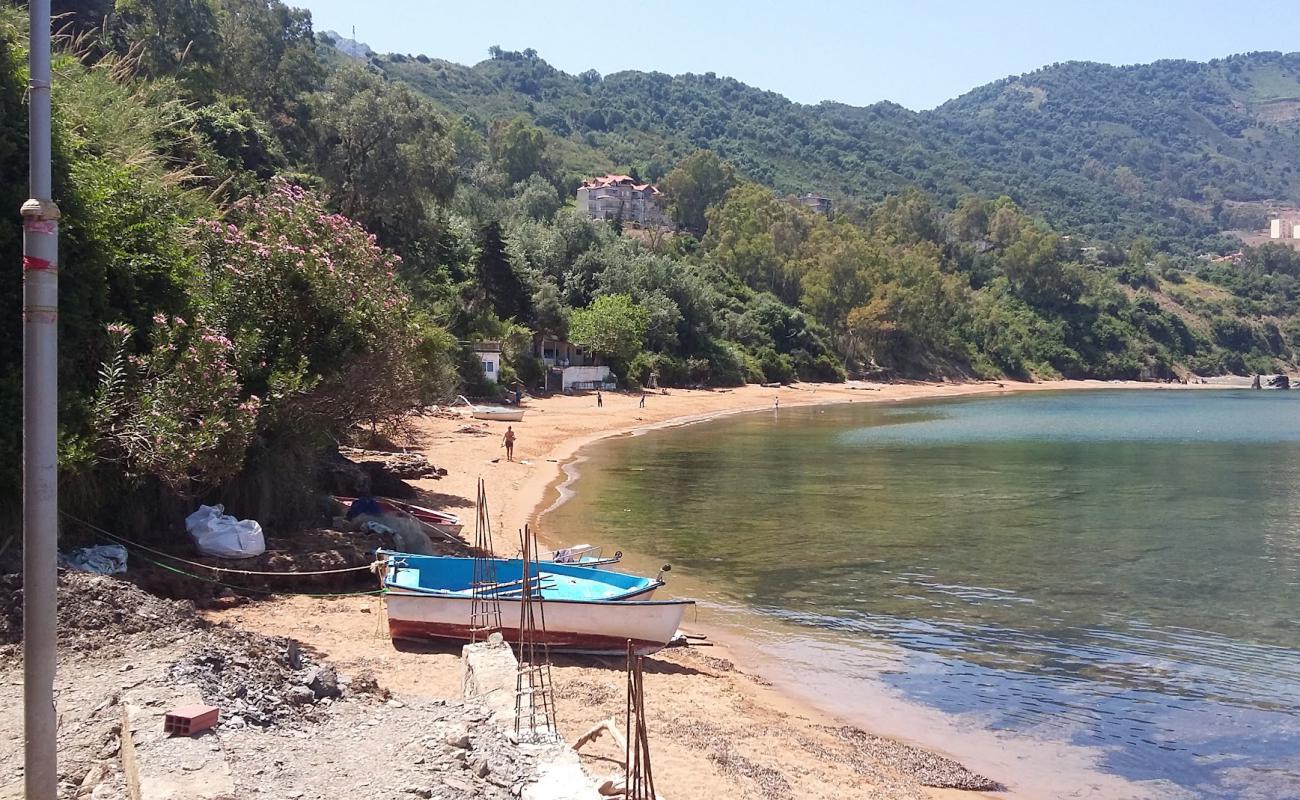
586, 610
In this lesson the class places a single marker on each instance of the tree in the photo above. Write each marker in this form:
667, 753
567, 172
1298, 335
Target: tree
385, 154
175, 37
550, 315
269, 58
612, 326
496, 275
518, 148
701, 180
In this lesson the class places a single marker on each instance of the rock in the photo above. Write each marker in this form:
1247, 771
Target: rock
461, 741
419, 791
324, 681
301, 695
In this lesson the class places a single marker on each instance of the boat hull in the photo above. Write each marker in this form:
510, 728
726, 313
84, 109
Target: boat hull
574, 626
505, 415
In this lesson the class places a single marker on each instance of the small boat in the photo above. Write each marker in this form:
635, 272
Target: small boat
440, 521
583, 555
454, 575
586, 610
492, 413
497, 413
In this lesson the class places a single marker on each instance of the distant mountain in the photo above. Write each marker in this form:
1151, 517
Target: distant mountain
1177, 151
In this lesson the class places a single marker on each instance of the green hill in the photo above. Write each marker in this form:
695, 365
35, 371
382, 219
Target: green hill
1169, 150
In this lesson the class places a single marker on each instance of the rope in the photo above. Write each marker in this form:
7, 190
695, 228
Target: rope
137, 545
179, 571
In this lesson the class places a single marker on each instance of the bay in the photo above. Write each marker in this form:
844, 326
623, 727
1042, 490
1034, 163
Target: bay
1114, 570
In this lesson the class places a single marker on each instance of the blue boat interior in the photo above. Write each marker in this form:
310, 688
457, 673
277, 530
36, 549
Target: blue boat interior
455, 576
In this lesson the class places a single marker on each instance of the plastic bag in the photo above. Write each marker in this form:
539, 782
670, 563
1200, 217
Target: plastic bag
216, 533
105, 559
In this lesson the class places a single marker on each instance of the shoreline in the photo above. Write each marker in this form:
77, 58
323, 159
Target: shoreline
1066, 759
719, 727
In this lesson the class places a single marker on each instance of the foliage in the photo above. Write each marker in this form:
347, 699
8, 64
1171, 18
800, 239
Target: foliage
518, 148
176, 413
701, 180
322, 327
384, 152
612, 326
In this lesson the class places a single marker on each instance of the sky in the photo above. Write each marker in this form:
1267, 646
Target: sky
918, 53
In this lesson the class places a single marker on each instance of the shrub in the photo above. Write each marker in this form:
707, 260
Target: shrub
178, 412
321, 327
776, 367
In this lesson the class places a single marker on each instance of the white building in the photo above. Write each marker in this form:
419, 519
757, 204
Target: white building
568, 367
489, 354
620, 197
1283, 229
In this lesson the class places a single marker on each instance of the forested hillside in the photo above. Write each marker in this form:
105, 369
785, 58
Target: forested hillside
1163, 150
269, 246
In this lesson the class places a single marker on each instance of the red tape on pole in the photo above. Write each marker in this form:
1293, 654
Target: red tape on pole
32, 263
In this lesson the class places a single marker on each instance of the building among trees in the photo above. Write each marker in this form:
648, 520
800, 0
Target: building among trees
1283, 229
620, 197
815, 202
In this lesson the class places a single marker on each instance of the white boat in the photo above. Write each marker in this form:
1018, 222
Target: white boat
492, 413
497, 413
586, 610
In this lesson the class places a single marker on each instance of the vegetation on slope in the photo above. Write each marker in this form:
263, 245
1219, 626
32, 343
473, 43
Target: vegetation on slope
268, 245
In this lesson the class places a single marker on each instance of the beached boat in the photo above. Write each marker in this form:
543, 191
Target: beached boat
440, 521
497, 413
492, 413
586, 610
583, 555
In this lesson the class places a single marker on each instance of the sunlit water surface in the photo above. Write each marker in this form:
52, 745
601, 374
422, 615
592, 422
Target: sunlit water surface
1119, 570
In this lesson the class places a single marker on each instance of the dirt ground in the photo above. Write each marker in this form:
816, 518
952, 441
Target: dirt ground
292, 725
715, 731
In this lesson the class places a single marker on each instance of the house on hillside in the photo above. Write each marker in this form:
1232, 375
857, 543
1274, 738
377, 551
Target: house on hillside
611, 197
815, 202
568, 367
489, 354
1283, 229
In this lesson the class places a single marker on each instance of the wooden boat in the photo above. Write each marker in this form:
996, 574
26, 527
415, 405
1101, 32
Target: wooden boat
492, 413
586, 610
440, 521
497, 413
583, 555
453, 575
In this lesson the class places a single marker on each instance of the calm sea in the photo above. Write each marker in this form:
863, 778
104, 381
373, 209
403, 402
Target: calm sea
1117, 571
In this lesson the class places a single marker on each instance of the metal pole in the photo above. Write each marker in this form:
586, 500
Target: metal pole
40, 425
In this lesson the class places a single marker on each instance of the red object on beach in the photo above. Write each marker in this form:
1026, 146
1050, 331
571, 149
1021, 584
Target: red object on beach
189, 720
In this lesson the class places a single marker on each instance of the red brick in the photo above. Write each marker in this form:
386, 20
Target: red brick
189, 720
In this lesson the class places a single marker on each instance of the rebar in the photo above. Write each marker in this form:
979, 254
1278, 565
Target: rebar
638, 777
534, 700
485, 605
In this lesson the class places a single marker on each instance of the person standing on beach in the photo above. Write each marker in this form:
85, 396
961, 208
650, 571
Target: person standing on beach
776, 403
600, 399
642, 403
508, 441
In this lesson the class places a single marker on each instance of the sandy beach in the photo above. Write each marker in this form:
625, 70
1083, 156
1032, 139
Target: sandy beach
718, 727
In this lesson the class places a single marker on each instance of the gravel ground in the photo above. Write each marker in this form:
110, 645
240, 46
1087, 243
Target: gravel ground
928, 768
291, 725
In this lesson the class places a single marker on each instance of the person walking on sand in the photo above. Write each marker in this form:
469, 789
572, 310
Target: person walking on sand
600, 399
776, 403
508, 441
642, 403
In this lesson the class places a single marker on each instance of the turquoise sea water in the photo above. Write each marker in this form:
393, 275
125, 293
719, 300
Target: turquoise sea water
1119, 570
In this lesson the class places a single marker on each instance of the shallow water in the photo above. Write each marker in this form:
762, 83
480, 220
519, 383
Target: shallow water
1119, 570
